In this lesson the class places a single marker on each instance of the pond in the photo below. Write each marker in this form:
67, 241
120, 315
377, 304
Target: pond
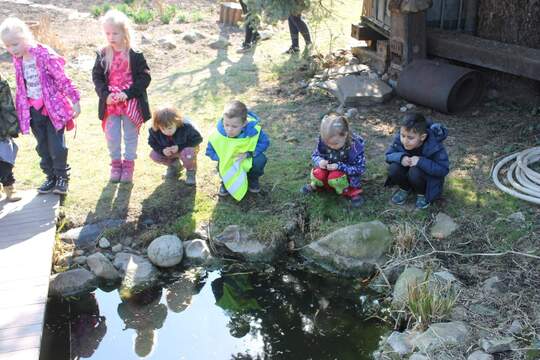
230, 313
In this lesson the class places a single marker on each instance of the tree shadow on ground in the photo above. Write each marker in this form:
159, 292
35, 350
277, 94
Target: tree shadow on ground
219, 76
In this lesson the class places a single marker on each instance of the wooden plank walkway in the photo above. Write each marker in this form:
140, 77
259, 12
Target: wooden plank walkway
27, 230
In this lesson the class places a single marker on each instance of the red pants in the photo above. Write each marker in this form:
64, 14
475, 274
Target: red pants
324, 176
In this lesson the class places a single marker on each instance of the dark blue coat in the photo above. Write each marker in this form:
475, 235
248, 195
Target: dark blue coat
433, 161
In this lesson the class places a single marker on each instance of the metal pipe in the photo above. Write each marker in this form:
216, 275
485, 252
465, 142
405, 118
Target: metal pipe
443, 8
460, 13
471, 12
444, 87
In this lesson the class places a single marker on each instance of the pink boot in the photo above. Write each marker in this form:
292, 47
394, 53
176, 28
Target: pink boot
127, 171
116, 170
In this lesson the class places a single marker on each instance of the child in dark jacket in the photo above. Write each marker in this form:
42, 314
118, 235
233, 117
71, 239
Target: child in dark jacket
418, 160
173, 139
338, 160
238, 145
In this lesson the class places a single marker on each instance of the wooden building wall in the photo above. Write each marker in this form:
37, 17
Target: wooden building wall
510, 21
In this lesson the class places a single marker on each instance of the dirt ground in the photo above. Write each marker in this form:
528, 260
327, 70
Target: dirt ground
496, 126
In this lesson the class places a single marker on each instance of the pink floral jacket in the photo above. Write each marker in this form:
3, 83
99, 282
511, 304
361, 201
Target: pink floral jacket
56, 88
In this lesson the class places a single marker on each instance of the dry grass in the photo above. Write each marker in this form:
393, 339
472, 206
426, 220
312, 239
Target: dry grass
44, 34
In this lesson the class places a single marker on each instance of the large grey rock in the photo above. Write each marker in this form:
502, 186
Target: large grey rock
85, 237
240, 242
196, 251
354, 90
166, 251
497, 345
480, 355
441, 335
102, 267
443, 226
353, 250
494, 285
192, 36
104, 243
409, 277
72, 283
138, 273
400, 343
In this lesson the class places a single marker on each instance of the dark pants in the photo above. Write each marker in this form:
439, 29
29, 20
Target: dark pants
6, 173
51, 145
408, 178
257, 169
296, 26
251, 32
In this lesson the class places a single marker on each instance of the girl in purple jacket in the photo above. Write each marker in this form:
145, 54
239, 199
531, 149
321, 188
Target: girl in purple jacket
46, 100
338, 160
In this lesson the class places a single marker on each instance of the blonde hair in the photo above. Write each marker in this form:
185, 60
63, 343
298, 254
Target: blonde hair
16, 26
335, 124
120, 20
165, 117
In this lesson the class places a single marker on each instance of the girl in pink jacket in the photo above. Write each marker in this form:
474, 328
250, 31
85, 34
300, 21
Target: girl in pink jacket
46, 100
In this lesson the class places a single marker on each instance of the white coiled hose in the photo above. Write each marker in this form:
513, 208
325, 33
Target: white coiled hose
524, 181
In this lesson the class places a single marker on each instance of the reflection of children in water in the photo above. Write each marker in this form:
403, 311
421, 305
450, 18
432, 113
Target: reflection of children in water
87, 327
233, 294
143, 313
180, 293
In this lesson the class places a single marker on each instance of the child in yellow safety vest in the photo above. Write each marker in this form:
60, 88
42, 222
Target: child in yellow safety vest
238, 145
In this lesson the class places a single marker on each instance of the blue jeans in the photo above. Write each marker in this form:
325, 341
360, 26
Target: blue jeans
257, 169
408, 178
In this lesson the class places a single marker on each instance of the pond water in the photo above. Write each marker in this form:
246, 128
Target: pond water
220, 314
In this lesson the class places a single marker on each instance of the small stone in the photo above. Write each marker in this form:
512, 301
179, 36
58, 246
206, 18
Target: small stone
219, 44
79, 252
117, 248
104, 243
373, 76
385, 77
197, 250
352, 113
441, 335
354, 61
126, 241
408, 278
497, 345
494, 285
192, 36
403, 109
400, 342
265, 35
410, 106
145, 39
483, 310
515, 328
80, 260
480, 355
166, 251
517, 217
167, 42
443, 226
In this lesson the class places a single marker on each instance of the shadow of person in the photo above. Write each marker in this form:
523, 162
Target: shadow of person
113, 203
143, 313
88, 328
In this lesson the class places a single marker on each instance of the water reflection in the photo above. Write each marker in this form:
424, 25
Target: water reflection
88, 327
231, 314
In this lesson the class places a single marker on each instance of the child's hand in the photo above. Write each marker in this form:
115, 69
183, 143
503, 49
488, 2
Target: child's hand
242, 156
167, 151
406, 161
76, 109
414, 160
121, 97
173, 149
111, 99
331, 167
323, 164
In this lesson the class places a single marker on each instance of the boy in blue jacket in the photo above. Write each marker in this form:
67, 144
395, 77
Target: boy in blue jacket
418, 160
238, 145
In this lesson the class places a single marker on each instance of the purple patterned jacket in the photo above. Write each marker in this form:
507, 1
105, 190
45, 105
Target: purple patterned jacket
56, 88
354, 166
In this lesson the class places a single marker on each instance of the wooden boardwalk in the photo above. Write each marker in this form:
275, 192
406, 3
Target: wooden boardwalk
27, 230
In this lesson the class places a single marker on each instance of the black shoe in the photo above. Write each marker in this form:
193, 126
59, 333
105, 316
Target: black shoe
357, 201
292, 50
244, 49
47, 186
61, 186
254, 186
222, 190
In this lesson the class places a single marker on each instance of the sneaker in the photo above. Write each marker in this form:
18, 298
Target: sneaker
244, 49
400, 197
190, 177
222, 190
292, 50
357, 201
47, 186
421, 202
307, 189
61, 186
254, 186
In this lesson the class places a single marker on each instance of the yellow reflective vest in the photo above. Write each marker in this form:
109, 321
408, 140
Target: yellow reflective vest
233, 172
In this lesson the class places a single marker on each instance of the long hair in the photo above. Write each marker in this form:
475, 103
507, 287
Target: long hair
335, 124
16, 26
119, 20
165, 117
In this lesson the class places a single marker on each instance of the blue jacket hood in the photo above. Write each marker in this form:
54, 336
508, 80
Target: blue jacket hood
437, 133
249, 130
